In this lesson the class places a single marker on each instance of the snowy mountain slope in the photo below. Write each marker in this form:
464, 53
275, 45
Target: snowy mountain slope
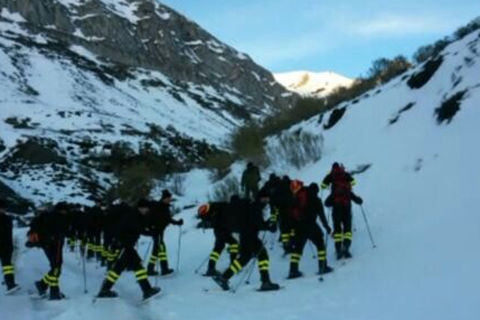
312, 84
420, 196
77, 77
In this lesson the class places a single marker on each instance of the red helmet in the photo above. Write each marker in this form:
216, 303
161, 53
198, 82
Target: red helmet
203, 210
295, 185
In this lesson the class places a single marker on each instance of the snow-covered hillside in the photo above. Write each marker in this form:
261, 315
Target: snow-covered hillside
420, 187
312, 84
77, 77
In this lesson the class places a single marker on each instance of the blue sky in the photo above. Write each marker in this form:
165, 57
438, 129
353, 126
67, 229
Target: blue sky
344, 36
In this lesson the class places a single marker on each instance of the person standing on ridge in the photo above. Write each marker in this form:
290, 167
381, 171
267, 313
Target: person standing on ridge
250, 180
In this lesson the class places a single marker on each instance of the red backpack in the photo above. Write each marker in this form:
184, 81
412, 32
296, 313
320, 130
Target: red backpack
341, 187
300, 200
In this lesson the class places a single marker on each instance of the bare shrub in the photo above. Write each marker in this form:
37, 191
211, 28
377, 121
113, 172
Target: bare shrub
224, 190
295, 149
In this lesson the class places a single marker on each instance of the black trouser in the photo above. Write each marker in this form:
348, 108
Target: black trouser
223, 237
342, 227
303, 233
251, 191
7, 267
159, 253
54, 253
250, 248
127, 259
287, 232
94, 244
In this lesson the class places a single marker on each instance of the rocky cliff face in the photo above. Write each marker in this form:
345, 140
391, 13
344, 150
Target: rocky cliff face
147, 34
82, 79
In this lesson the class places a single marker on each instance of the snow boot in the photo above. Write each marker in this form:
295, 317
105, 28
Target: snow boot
107, 294
339, 255
325, 270
221, 281
106, 291
269, 286
55, 294
151, 270
294, 272
166, 272
41, 288
347, 254
211, 271
150, 293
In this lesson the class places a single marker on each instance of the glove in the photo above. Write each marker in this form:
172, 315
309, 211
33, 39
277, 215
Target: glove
360, 201
178, 222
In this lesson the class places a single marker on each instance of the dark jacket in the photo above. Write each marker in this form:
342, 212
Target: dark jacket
314, 209
128, 225
159, 218
51, 227
6, 237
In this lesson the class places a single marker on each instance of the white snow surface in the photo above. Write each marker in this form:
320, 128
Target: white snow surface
312, 84
11, 16
421, 200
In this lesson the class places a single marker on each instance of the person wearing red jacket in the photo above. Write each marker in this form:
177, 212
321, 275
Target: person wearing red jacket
307, 206
340, 200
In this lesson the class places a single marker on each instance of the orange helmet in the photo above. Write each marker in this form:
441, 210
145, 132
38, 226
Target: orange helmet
203, 210
295, 185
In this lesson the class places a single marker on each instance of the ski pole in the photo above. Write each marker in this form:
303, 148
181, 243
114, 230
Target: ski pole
248, 269
85, 290
314, 254
328, 235
368, 227
245, 272
255, 258
179, 246
147, 251
202, 264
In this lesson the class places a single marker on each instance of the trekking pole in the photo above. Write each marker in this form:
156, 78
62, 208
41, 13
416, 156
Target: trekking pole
246, 271
85, 290
328, 235
255, 258
368, 227
314, 254
202, 264
179, 246
272, 240
147, 251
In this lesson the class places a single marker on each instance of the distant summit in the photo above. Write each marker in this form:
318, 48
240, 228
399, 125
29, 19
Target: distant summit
311, 83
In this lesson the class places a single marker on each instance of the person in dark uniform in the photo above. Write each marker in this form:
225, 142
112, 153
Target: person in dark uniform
127, 228
219, 218
160, 219
250, 223
307, 207
340, 199
6, 248
48, 231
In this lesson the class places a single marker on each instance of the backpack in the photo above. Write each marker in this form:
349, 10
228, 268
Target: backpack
341, 188
299, 204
